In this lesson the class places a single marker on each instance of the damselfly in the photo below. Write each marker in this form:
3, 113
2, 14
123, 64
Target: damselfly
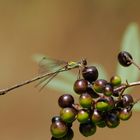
49, 75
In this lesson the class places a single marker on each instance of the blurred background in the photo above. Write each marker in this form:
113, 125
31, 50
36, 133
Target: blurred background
65, 30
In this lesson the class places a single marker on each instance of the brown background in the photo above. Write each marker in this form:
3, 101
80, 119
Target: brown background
64, 29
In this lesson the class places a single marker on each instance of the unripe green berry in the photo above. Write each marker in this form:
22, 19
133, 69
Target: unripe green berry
83, 116
99, 85
68, 114
124, 114
58, 129
96, 116
116, 80
85, 100
102, 105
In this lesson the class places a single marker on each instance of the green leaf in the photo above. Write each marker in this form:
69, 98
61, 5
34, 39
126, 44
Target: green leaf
136, 107
131, 44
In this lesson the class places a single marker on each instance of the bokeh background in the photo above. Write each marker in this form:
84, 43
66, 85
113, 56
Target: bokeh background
62, 29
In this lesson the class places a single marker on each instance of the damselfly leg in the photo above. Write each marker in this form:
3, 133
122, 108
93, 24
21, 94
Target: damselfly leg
48, 64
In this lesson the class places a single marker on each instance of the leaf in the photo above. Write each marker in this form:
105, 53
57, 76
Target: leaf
136, 107
131, 44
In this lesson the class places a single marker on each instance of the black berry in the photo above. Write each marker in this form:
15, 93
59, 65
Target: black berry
125, 58
90, 73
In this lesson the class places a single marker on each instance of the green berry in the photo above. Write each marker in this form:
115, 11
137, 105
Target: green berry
85, 100
83, 116
99, 85
125, 114
58, 129
68, 136
96, 116
102, 104
68, 114
115, 80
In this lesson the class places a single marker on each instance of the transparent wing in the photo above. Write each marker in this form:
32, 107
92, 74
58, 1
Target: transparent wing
47, 64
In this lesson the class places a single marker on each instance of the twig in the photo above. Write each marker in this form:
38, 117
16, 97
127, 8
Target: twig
127, 85
6, 90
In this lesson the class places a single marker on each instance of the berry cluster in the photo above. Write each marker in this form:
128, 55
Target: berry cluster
100, 105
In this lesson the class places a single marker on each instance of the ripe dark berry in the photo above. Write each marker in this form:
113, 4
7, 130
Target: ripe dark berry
87, 129
83, 116
68, 114
66, 100
116, 93
92, 93
85, 100
125, 58
112, 120
127, 100
125, 114
56, 118
90, 73
115, 80
101, 124
99, 85
80, 86
58, 129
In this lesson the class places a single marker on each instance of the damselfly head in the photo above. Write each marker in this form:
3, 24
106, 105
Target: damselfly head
84, 62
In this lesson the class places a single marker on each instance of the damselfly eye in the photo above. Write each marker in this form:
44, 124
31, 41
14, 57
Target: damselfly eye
84, 62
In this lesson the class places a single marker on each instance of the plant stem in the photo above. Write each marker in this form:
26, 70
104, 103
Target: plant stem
127, 85
65, 68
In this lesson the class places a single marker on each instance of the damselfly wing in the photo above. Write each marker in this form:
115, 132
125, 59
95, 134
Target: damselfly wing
48, 64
